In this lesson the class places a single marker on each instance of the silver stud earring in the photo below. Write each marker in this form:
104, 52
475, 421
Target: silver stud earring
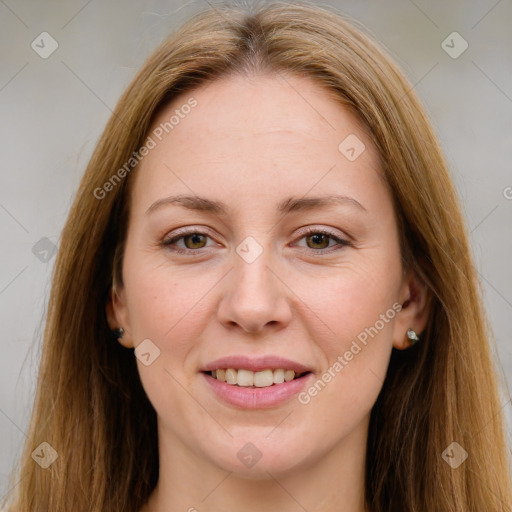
412, 336
118, 333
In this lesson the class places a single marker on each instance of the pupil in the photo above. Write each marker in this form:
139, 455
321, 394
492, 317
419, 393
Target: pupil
317, 238
194, 238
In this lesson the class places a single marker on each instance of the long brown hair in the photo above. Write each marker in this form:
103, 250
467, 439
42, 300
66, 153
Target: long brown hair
90, 405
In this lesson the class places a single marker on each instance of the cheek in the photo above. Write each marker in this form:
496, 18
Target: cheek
358, 307
360, 325
165, 303
354, 298
355, 359
168, 308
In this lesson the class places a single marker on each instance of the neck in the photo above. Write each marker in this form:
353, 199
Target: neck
332, 483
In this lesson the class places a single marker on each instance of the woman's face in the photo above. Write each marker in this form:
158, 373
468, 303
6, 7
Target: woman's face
256, 270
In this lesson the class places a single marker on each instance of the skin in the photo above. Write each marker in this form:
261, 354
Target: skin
252, 142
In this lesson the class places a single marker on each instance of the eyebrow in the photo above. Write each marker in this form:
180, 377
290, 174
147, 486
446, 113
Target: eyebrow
289, 205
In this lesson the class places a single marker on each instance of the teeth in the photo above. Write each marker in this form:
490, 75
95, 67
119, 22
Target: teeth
247, 378
289, 375
278, 376
231, 376
263, 379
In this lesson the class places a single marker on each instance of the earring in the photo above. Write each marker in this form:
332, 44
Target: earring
118, 333
412, 336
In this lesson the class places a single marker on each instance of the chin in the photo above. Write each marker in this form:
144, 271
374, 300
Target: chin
256, 454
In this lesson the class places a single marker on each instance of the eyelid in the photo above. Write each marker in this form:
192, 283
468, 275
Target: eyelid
311, 229
189, 230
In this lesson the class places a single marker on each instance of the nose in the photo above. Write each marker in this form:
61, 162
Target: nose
255, 297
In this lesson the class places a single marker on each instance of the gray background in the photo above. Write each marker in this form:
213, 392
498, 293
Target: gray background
53, 110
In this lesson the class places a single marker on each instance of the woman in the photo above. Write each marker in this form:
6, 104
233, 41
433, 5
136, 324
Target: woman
268, 225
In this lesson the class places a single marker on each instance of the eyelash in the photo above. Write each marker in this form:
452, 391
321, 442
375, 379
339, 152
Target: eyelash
310, 231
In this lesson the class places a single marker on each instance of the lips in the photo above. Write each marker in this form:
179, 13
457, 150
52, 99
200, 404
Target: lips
256, 383
256, 364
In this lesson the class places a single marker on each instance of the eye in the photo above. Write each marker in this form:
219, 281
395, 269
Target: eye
192, 241
318, 239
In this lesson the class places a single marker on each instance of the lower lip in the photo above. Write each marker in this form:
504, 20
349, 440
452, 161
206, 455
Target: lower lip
257, 398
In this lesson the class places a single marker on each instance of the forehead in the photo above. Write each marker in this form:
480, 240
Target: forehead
272, 134
260, 105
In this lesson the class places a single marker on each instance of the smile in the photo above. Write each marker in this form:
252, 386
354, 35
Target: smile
248, 378
255, 382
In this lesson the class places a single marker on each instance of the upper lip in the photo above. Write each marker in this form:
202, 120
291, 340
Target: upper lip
256, 364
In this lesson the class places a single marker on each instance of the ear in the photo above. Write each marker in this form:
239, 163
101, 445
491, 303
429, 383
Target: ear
415, 301
117, 315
